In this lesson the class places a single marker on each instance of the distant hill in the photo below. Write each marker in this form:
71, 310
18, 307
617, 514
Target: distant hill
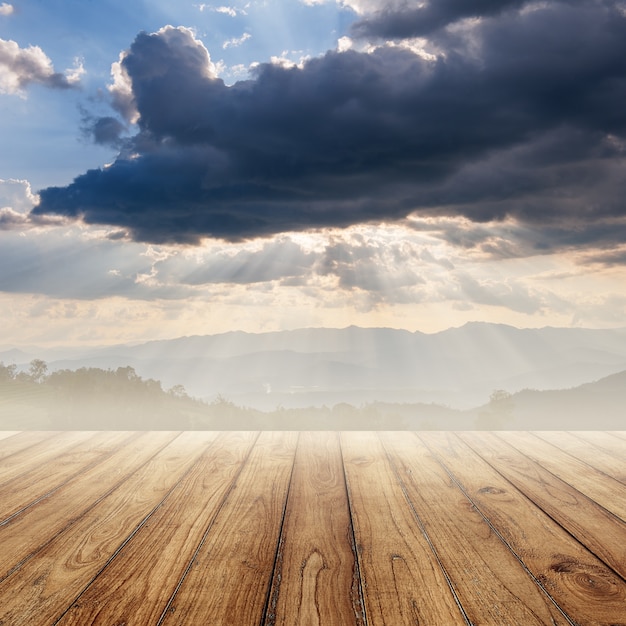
96, 399
459, 367
599, 405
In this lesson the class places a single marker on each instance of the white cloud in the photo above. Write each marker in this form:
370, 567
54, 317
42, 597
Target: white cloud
74, 73
21, 66
17, 195
360, 6
6, 9
225, 10
236, 41
121, 90
12, 220
286, 62
232, 73
344, 43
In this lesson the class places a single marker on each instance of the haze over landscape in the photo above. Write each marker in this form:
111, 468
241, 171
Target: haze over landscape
298, 203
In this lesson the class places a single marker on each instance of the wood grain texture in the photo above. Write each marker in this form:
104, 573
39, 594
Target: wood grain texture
607, 442
402, 580
487, 576
72, 560
316, 559
595, 527
24, 535
5, 434
589, 592
599, 450
136, 585
23, 440
42, 453
601, 488
312, 529
229, 581
32, 485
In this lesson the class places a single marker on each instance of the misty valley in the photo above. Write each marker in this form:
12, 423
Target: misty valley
479, 376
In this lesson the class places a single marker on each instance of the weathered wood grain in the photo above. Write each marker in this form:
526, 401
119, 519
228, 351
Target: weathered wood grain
312, 529
605, 490
316, 576
24, 535
32, 485
229, 581
38, 592
42, 453
402, 581
5, 434
23, 440
605, 441
595, 527
589, 592
487, 576
591, 453
136, 585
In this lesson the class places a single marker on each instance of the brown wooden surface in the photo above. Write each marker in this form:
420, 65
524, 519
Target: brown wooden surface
316, 550
312, 529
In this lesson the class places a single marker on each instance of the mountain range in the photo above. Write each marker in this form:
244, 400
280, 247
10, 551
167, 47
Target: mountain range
458, 367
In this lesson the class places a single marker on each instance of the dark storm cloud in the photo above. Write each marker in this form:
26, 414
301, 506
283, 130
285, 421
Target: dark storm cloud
107, 130
419, 21
522, 116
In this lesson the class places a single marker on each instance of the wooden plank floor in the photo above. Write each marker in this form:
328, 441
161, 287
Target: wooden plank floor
312, 528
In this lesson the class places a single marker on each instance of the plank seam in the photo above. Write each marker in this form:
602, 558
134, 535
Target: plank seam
82, 470
565, 528
272, 591
362, 617
73, 521
605, 451
576, 458
202, 541
136, 529
425, 533
53, 434
566, 482
495, 530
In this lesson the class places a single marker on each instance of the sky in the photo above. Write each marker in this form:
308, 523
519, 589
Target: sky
173, 168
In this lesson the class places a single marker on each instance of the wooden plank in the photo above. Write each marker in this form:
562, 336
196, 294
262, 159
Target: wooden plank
41, 590
585, 451
604, 441
595, 527
146, 531
39, 454
316, 576
603, 489
230, 579
23, 440
491, 583
136, 585
589, 592
24, 535
402, 581
41, 481
5, 434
